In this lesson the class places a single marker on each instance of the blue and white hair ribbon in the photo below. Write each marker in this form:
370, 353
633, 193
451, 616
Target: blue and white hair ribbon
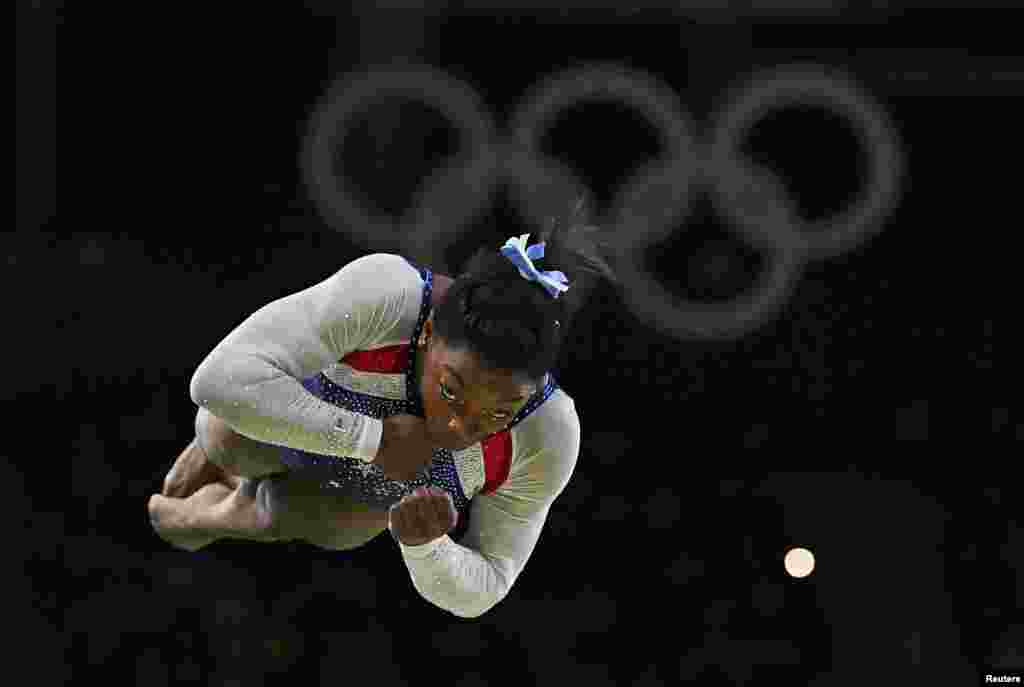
515, 250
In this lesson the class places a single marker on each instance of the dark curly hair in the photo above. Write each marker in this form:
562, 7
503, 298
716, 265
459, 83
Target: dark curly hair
512, 324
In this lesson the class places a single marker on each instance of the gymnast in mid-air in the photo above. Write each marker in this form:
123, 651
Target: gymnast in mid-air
388, 397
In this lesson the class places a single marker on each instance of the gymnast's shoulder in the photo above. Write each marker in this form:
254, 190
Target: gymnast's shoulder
546, 444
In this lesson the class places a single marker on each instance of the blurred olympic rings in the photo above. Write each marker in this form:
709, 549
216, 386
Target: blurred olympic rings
648, 206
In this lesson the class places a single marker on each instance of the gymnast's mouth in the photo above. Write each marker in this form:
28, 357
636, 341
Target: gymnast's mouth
452, 442
459, 445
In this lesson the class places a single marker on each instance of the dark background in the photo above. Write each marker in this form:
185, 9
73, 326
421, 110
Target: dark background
875, 421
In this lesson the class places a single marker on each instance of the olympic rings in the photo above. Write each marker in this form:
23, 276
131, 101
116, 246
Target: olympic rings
649, 206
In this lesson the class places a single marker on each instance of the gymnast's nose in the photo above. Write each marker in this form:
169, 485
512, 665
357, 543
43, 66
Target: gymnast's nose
464, 430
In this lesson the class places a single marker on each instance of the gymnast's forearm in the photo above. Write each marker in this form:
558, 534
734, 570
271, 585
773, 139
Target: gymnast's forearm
453, 577
280, 411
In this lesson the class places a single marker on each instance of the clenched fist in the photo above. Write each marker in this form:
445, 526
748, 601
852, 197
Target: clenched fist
423, 516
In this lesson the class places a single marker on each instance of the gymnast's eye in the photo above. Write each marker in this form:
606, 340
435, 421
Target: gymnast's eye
446, 394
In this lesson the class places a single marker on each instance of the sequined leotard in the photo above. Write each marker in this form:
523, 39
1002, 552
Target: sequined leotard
315, 372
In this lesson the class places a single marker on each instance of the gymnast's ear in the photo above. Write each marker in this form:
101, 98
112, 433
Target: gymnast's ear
441, 284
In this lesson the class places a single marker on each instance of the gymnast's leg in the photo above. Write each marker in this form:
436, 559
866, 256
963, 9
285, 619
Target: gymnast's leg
211, 491
302, 509
287, 506
215, 455
225, 485
215, 511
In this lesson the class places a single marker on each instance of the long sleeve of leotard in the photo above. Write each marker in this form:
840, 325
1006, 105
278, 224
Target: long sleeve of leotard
251, 379
470, 577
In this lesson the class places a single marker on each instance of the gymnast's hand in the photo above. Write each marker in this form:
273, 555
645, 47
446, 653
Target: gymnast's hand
405, 450
423, 516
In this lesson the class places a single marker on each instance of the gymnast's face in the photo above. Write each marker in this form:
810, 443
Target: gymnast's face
464, 401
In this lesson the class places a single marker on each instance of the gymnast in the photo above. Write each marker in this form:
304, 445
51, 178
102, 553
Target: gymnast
388, 397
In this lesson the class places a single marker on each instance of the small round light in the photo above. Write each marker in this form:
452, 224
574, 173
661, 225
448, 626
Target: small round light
799, 562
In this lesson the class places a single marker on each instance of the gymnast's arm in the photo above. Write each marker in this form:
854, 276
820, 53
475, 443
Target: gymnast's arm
251, 379
469, 578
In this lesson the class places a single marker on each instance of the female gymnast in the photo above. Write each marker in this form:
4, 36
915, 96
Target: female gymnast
390, 397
